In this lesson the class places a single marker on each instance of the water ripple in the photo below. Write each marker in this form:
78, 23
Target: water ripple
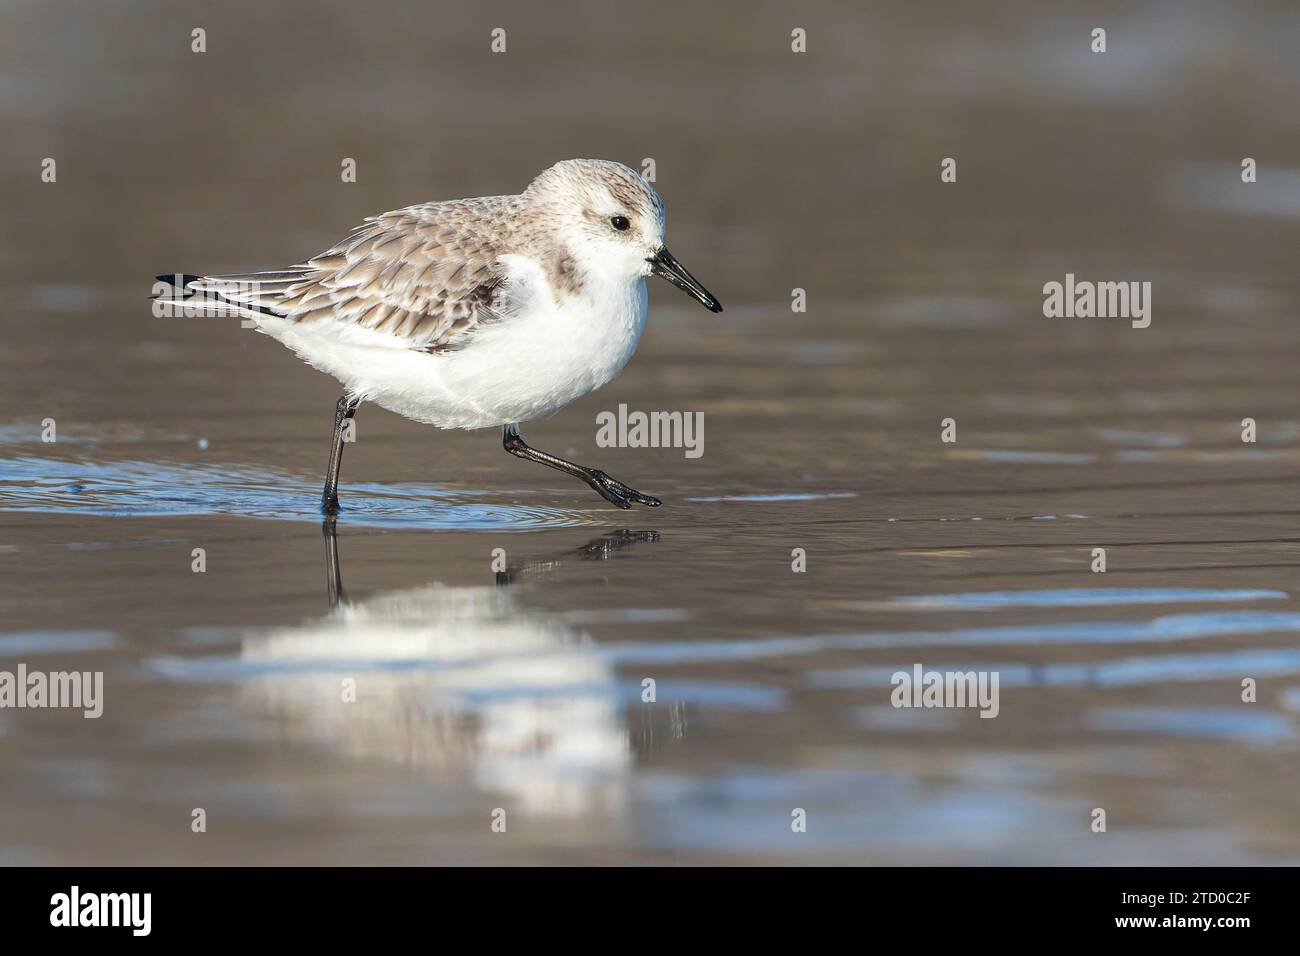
1173, 627
55, 642
160, 488
1081, 597
790, 496
1218, 723
1124, 672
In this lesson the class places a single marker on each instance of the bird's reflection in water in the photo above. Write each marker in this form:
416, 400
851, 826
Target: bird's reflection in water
463, 682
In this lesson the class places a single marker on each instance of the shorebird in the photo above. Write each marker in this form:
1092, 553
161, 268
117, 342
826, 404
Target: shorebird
472, 313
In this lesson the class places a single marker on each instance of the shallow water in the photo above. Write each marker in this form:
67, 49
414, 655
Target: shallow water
478, 688
120, 487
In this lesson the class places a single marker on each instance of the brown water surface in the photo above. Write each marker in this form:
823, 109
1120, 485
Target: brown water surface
524, 690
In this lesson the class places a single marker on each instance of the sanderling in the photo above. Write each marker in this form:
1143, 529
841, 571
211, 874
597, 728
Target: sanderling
473, 313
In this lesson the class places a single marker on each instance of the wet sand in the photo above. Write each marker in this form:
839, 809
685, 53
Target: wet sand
478, 690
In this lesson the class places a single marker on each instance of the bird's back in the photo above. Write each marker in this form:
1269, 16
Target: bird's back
427, 275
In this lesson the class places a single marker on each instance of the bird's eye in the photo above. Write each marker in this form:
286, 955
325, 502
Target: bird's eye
620, 223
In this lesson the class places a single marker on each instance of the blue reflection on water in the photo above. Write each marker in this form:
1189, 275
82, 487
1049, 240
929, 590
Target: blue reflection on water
1125, 672
1083, 597
1218, 723
55, 642
160, 488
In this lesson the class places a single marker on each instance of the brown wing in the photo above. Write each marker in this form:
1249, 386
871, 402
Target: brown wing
427, 274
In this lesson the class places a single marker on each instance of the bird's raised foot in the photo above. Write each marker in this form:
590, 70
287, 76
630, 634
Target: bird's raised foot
617, 493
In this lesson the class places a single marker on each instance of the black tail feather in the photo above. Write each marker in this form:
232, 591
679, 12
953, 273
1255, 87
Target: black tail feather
180, 291
178, 279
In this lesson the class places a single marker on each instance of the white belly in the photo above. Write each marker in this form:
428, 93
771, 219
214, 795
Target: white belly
526, 366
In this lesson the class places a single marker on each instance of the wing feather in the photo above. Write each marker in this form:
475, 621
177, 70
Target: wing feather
428, 275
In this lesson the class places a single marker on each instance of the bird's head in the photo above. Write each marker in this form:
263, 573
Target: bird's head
612, 222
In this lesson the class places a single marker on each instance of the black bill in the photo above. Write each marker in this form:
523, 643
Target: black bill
663, 264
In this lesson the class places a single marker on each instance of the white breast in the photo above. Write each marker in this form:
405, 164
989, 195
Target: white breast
533, 362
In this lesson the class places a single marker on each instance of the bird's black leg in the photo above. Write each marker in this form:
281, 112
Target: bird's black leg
343, 412
610, 489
